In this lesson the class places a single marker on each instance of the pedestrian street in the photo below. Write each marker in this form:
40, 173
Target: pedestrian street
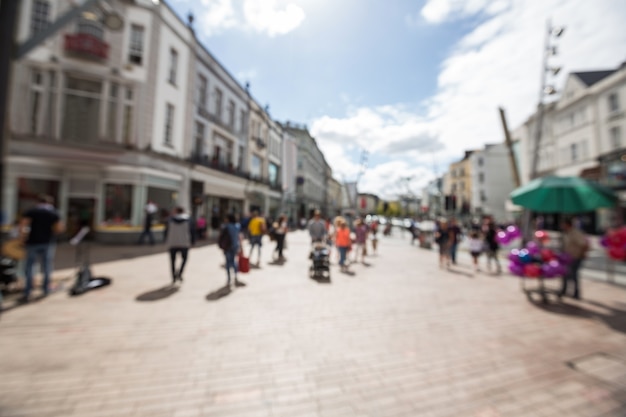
397, 336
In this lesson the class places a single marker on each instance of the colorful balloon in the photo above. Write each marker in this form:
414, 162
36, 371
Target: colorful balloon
532, 270
502, 238
516, 269
513, 231
604, 241
617, 252
524, 256
547, 255
533, 248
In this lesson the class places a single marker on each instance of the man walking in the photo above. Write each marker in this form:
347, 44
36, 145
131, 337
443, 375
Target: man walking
317, 227
150, 210
257, 229
576, 246
180, 236
39, 227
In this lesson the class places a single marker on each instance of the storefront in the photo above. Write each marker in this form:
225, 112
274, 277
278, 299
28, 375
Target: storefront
110, 200
613, 175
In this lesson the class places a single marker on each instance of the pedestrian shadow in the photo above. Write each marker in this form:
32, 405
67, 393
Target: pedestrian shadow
615, 318
158, 294
220, 293
459, 272
349, 273
278, 262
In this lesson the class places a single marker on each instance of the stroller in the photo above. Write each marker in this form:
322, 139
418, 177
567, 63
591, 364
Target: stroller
320, 261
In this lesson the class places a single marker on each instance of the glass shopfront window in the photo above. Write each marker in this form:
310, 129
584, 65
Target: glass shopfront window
118, 200
28, 189
164, 199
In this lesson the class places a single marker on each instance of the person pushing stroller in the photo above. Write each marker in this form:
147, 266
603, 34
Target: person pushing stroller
320, 253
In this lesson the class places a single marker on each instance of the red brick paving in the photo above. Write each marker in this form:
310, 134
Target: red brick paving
398, 338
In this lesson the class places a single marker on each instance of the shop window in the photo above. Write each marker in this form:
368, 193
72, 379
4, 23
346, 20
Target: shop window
28, 189
118, 203
164, 199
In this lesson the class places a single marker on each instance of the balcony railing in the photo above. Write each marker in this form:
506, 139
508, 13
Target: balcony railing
229, 168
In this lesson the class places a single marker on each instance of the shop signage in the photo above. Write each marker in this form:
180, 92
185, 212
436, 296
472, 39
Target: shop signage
86, 45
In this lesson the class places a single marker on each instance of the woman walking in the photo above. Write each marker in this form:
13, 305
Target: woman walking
343, 243
476, 246
360, 230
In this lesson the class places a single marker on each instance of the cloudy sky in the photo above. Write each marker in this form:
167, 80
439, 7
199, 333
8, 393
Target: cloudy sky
411, 82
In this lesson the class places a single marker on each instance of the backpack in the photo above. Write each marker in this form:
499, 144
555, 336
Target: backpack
224, 241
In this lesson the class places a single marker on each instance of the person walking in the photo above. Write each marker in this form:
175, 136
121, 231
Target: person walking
180, 236
150, 210
360, 232
575, 244
455, 237
232, 247
442, 238
374, 234
491, 245
39, 227
343, 243
476, 246
257, 228
317, 227
280, 232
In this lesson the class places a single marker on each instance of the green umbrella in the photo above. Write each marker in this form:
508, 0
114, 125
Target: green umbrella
563, 195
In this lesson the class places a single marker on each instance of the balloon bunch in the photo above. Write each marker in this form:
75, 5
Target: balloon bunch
614, 241
533, 261
504, 237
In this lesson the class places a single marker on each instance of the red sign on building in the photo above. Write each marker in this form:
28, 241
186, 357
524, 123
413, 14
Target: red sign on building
86, 45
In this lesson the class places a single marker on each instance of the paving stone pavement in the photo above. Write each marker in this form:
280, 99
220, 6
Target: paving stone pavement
399, 337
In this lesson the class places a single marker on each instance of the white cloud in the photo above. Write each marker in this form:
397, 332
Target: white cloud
496, 64
266, 16
261, 16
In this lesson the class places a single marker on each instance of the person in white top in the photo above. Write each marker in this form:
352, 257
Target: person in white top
476, 246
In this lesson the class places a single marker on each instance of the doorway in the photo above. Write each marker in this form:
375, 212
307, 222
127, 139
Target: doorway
80, 213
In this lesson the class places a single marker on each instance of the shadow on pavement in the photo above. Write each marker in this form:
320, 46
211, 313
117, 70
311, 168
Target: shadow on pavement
158, 294
615, 319
65, 256
458, 272
219, 293
278, 262
322, 280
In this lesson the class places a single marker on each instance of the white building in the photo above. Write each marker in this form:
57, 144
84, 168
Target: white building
97, 117
217, 143
492, 181
580, 131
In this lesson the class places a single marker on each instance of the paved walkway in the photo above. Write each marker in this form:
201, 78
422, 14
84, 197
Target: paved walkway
399, 337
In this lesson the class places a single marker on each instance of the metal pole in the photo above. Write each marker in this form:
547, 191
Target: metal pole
509, 145
8, 20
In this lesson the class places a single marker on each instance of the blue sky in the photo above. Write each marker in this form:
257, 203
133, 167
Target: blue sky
414, 83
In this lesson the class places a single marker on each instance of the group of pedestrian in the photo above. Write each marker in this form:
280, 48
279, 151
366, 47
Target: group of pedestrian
337, 234
484, 240
448, 235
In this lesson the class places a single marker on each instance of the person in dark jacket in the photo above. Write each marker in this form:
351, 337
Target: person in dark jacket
234, 231
491, 245
39, 227
180, 236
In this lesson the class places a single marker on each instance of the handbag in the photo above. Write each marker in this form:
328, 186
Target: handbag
244, 263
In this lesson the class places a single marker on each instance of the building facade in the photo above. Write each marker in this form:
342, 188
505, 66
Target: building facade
492, 182
311, 171
97, 116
